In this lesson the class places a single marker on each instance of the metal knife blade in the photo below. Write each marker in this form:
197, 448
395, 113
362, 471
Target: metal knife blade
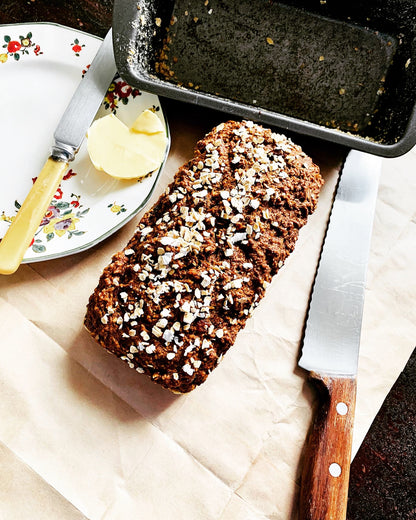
86, 100
69, 135
332, 339
333, 328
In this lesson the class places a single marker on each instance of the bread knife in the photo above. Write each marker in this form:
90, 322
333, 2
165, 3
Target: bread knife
68, 136
332, 338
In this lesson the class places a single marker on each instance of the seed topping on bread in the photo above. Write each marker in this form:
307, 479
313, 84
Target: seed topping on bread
172, 302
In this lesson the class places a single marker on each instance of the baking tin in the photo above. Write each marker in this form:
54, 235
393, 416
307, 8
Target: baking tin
338, 71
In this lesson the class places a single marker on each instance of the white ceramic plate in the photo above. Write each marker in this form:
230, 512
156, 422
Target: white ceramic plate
40, 67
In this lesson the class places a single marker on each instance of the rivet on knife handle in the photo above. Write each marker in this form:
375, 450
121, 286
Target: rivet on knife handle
25, 224
326, 464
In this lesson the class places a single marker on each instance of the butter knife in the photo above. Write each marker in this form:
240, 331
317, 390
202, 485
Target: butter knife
332, 339
68, 136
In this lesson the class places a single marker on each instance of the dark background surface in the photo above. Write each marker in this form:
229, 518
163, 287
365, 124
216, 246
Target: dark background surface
86, 15
383, 475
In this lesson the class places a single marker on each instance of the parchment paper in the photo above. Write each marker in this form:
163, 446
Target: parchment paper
82, 435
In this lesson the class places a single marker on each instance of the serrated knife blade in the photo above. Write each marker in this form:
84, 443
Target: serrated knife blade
68, 135
332, 338
333, 328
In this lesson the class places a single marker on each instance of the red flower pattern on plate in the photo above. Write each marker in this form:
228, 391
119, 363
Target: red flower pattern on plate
119, 92
77, 46
17, 48
13, 46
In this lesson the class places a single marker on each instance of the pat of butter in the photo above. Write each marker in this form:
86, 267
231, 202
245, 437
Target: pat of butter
127, 153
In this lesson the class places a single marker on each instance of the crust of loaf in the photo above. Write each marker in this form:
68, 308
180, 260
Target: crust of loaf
173, 301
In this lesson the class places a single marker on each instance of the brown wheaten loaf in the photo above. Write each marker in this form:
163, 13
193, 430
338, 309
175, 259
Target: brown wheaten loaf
172, 302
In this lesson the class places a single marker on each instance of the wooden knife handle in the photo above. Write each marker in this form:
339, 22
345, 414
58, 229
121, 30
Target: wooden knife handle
326, 465
25, 224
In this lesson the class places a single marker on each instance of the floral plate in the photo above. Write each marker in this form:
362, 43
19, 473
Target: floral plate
40, 67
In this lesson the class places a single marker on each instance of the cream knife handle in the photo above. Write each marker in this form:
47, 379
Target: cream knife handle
23, 228
325, 478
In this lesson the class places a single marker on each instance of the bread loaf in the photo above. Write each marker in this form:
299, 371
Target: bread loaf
172, 302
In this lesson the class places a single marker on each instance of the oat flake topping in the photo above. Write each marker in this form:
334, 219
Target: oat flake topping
172, 303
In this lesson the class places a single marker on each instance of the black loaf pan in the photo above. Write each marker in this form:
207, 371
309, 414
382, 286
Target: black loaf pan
340, 71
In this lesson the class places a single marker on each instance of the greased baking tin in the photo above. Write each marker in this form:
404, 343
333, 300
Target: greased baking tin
343, 73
